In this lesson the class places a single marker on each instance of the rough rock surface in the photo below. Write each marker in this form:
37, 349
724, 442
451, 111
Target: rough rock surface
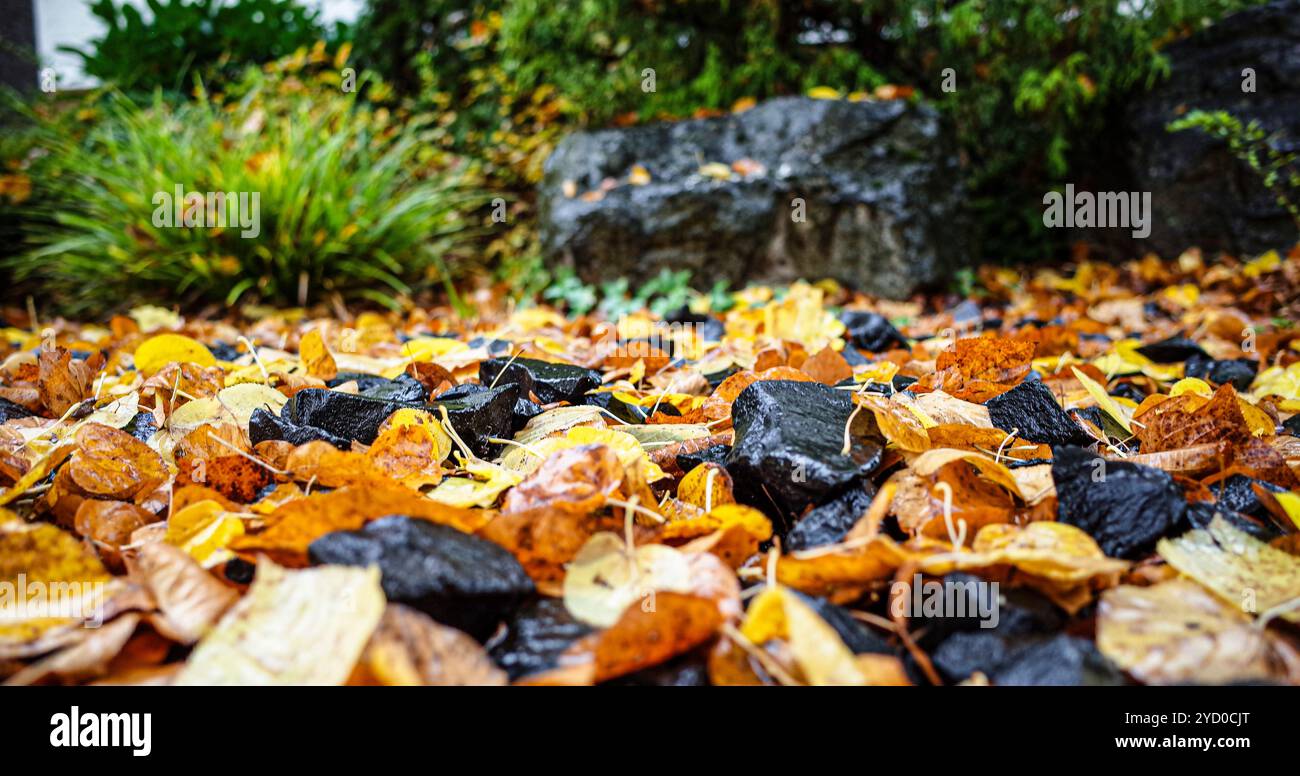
1200, 194
879, 182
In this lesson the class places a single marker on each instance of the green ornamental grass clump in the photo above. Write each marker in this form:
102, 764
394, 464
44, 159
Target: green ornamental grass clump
348, 201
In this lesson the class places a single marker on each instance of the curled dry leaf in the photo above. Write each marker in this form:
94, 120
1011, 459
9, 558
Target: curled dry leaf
189, 599
409, 649
85, 659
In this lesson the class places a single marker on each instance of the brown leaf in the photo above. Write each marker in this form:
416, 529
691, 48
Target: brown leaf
827, 367
295, 525
109, 463
577, 479
410, 649
190, 600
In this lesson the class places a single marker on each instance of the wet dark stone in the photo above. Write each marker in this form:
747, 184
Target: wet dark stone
550, 382
1060, 660
456, 578
345, 415
523, 411
1124, 506
715, 378
10, 410
625, 412
857, 637
479, 415
786, 455
965, 652
708, 327
871, 331
853, 356
830, 521
494, 347
143, 426
239, 571
536, 636
461, 391
224, 351
1173, 350
1031, 409
360, 378
266, 425
1292, 425
960, 646
715, 454
1101, 420
1236, 493
899, 384
1010, 464
1201, 193
1021, 612
1201, 514
688, 670
880, 180
1238, 372
1129, 391
402, 388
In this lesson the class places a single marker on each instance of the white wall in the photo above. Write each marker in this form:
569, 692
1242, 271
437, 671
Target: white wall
70, 23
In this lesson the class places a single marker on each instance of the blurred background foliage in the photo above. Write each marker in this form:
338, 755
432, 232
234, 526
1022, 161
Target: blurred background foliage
460, 101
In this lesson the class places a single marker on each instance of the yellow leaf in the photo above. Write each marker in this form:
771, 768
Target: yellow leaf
316, 356
1291, 505
204, 530
1103, 400
1191, 385
716, 170
824, 93
157, 352
1239, 568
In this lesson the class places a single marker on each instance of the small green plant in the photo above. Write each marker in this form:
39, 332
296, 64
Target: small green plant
213, 39
349, 202
662, 294
1251, 143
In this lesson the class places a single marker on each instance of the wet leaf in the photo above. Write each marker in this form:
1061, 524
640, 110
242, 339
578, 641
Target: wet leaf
1240, 569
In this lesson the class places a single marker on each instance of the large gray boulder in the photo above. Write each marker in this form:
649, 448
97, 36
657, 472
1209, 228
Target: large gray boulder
1201, 195
879, 183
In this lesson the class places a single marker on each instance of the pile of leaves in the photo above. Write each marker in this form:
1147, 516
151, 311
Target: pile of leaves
756, 496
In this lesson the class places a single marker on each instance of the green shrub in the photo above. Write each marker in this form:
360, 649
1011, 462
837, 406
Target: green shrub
350, 201
213, 39
1278, 170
